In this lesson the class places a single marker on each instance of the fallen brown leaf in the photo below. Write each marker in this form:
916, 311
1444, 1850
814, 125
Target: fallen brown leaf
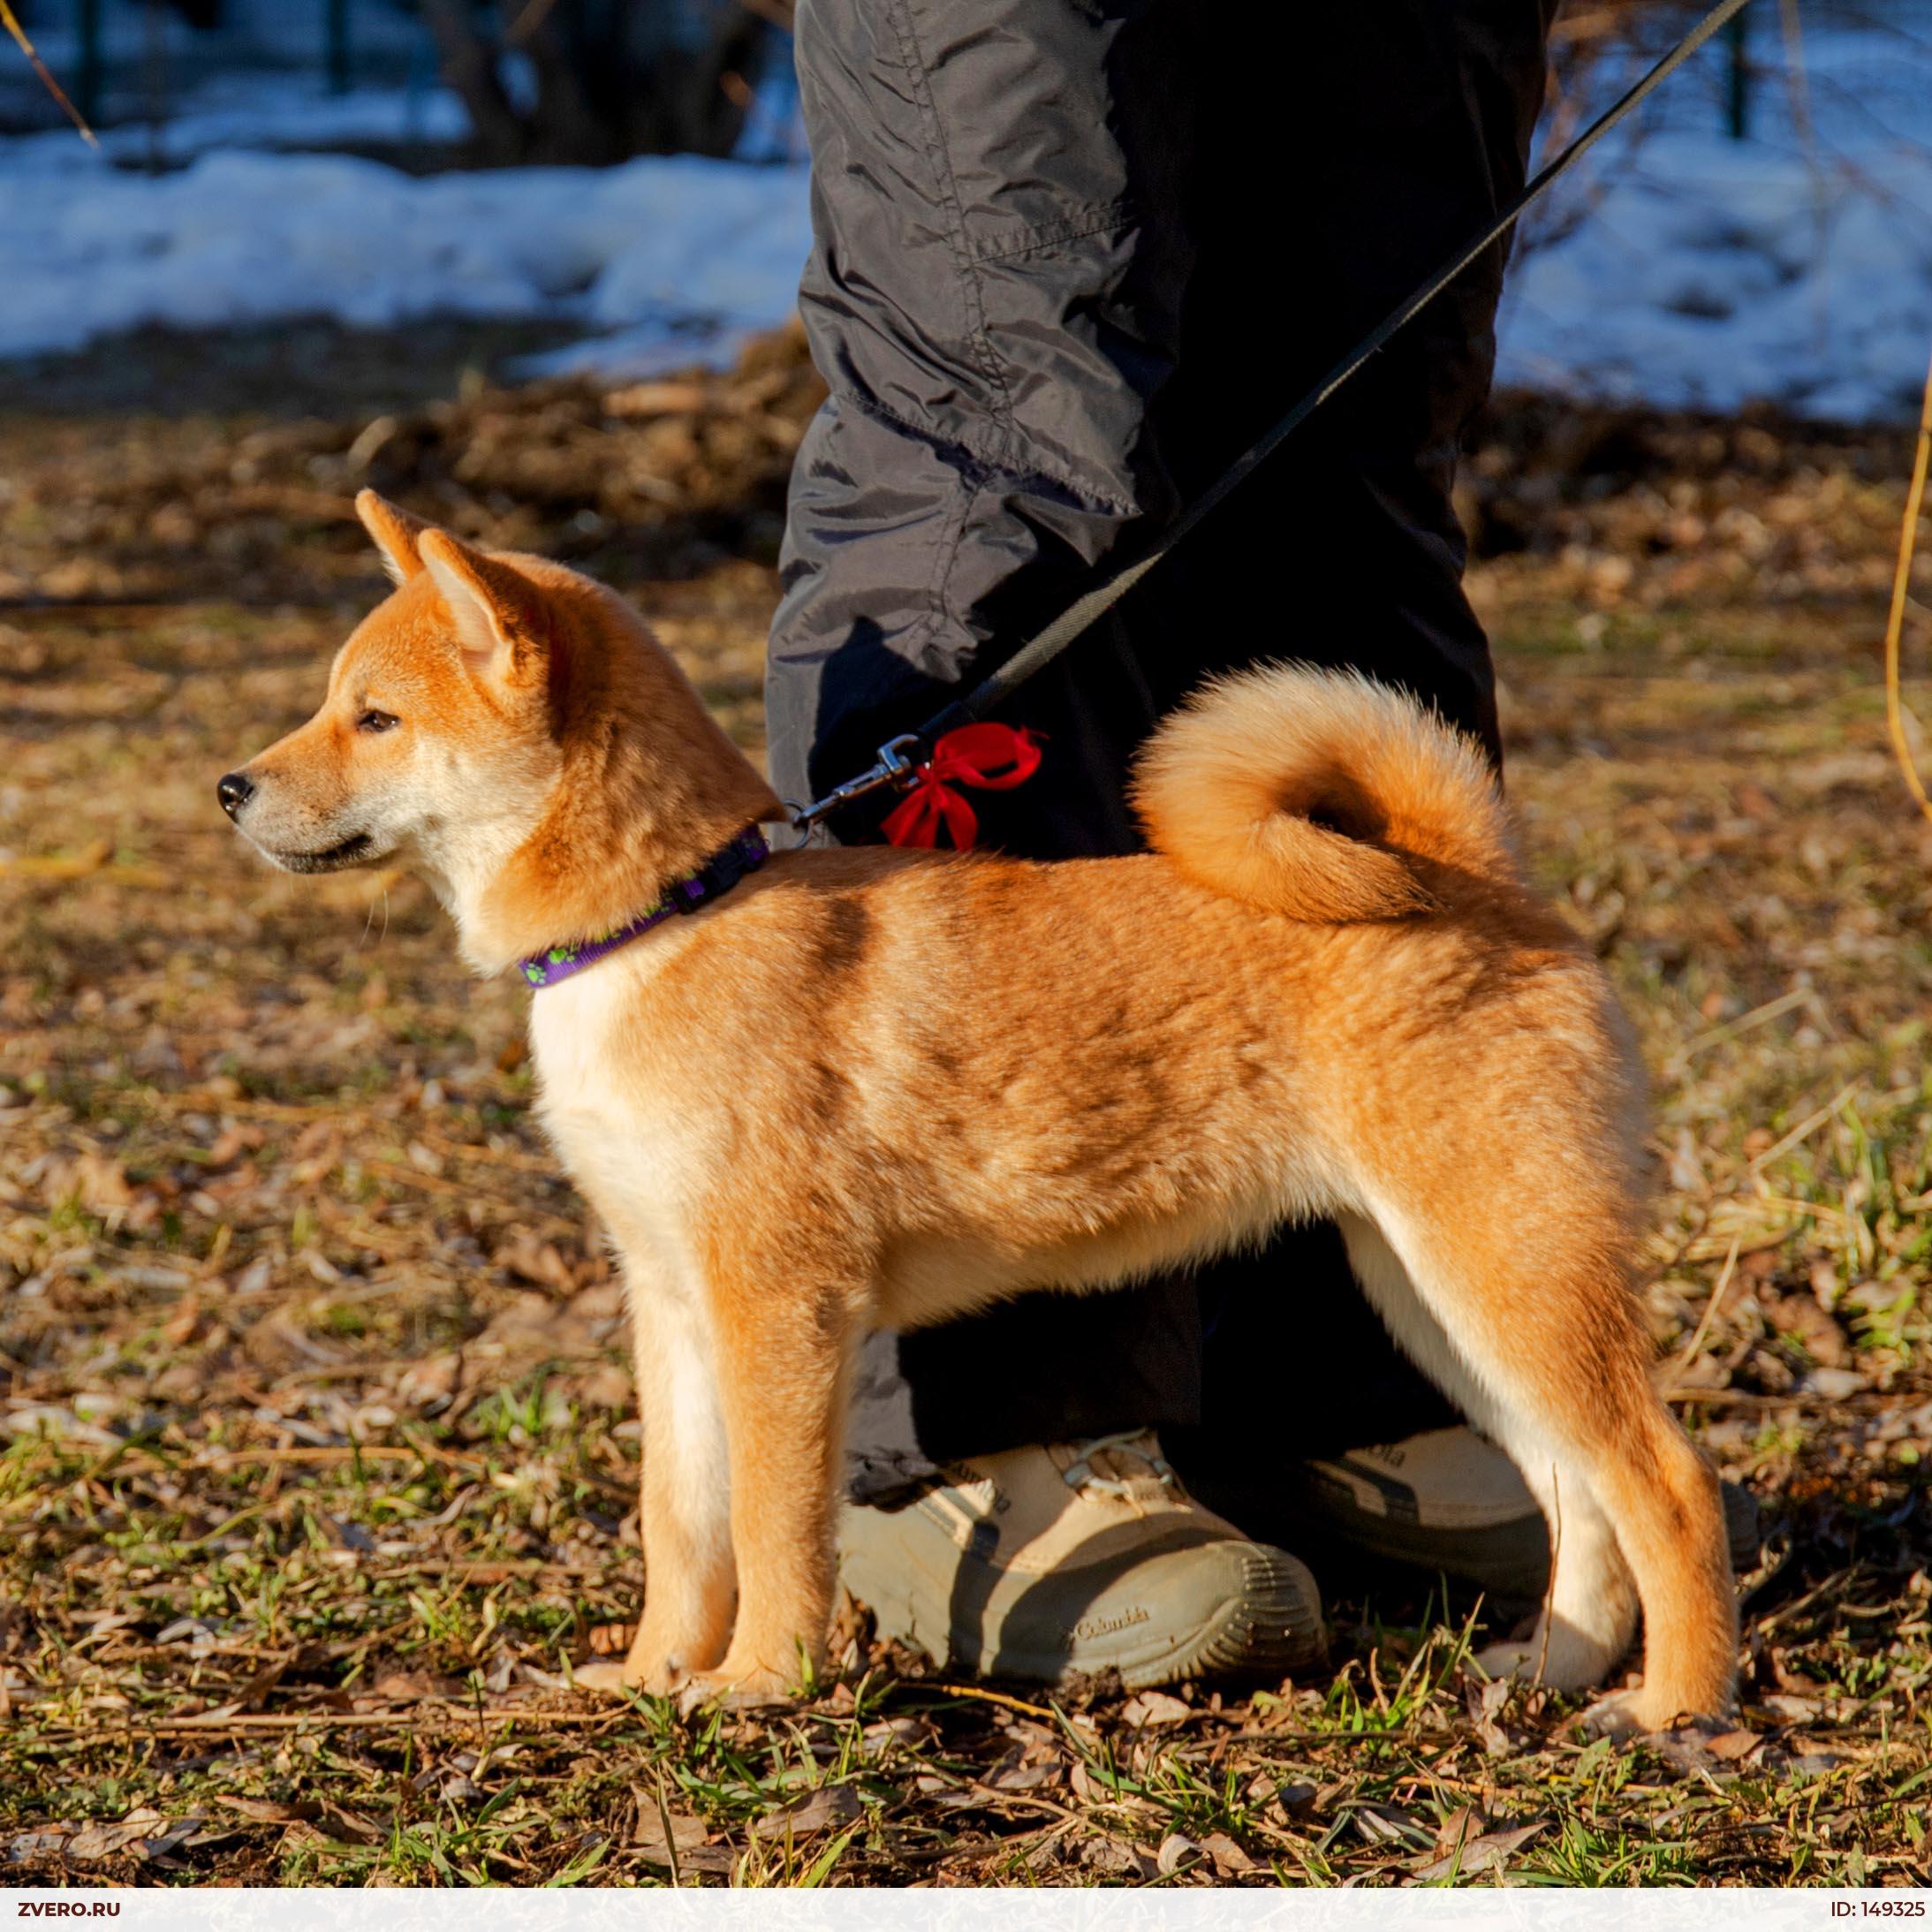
1488, 1853
822, 1810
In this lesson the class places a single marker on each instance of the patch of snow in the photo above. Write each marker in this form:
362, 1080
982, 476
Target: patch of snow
665, 244
1680, 267
1710, 273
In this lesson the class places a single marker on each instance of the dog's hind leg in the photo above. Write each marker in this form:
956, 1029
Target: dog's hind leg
1590, 1610
1556, 1372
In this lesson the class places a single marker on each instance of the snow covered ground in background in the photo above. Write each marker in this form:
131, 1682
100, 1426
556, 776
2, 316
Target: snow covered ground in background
656, 253
1690, 269
1683, 267
1712, 273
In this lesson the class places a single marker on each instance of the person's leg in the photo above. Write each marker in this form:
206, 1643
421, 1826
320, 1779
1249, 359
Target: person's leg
1302, 229
993, 297
1412, 124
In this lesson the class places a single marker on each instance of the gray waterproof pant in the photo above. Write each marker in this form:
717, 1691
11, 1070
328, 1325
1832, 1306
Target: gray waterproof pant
1072, 256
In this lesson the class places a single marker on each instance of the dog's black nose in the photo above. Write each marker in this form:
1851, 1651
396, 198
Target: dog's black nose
234, 792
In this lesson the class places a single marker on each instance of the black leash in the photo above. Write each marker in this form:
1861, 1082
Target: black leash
897, 761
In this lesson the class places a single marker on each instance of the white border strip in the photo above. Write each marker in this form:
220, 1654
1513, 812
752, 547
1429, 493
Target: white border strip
1482, 1908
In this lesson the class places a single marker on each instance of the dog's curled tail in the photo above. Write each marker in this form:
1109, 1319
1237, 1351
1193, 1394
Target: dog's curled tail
1322, 795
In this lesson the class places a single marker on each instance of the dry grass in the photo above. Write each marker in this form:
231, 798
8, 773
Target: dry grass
315, 1448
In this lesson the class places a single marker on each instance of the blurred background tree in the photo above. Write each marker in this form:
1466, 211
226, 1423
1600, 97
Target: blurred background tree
606, 79
581, 82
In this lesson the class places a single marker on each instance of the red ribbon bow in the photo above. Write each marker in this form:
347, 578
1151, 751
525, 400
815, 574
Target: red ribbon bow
993, 757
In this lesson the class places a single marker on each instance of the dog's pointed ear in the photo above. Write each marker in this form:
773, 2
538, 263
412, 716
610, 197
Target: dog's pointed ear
396, 532
498, 613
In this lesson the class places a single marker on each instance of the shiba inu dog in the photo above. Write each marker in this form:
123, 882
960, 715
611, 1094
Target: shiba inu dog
871, 1086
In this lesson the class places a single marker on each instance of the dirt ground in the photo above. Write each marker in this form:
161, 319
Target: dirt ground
316, 1444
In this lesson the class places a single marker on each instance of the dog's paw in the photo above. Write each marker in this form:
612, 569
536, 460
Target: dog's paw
1516, 1659
651, 1672
1561, 1656
604, 1676
1631, 1714
1619, 1718
1691, 1747
749, 1687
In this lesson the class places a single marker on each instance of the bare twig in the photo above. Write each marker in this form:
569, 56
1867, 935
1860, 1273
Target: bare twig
470, 67
1804, 1128
1909, 537
1773, 1009
1717, 1294
13, 26
404, 1717
996, 1697
1555, 1556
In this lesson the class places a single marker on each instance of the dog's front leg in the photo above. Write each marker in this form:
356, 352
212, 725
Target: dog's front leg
783, 1353
685, 1507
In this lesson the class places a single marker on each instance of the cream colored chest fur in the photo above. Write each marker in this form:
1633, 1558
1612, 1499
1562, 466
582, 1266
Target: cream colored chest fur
624, 1144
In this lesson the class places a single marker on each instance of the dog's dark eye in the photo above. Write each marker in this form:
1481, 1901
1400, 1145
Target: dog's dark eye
375, 720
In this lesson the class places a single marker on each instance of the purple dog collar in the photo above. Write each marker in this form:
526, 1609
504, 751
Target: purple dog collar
716, 877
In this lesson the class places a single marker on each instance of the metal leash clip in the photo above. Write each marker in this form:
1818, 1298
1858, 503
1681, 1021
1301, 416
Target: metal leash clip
895, 765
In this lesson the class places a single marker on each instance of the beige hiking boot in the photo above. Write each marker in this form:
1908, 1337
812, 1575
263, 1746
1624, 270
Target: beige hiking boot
1446, 1501
1078, 1558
